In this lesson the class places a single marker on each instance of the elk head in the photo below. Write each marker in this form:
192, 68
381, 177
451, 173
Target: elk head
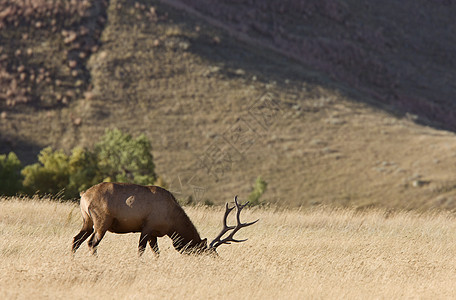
234, 229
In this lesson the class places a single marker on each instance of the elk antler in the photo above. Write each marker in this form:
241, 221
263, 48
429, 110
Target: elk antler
230, 238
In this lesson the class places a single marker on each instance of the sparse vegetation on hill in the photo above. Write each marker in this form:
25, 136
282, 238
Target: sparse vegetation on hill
259, 188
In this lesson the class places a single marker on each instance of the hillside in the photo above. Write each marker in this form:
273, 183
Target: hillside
400, 53
223, 104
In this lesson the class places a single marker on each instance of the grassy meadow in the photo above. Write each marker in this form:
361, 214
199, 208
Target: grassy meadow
290, 254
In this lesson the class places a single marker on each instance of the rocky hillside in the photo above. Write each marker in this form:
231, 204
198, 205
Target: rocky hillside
322, 100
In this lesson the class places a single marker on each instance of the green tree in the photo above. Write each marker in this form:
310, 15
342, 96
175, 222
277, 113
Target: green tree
48, 176
10, 174
125, 159
117, 157
83, 171
258, 190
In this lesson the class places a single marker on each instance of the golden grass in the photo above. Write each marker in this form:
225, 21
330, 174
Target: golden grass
321, 253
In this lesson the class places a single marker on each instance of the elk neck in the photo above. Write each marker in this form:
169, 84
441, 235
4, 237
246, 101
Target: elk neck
184, 233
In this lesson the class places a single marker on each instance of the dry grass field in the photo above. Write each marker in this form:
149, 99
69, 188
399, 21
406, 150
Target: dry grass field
290, 254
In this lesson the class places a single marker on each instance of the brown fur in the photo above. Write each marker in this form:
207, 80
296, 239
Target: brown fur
122, 208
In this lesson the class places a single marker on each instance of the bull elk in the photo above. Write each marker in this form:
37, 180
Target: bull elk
150, 210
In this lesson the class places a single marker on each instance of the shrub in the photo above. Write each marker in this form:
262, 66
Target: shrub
124, 159
10, 174
83, 171
58, 174
258, 190
161, 182
48, 176
117, 157
208, 202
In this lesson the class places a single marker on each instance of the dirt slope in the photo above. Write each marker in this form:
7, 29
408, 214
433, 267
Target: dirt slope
400, 53
220, 112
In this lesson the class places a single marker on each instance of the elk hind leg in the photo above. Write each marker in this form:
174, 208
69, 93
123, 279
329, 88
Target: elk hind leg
100, 229
95, 239
86, 231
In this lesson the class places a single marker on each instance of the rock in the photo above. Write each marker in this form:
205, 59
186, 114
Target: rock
239, 72
77, 121
72, 64
420, 183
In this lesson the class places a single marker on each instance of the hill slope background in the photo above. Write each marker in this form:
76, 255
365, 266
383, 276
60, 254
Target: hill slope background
322, 100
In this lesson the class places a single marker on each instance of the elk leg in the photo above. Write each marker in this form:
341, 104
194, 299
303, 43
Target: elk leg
101, 225
86, 231
95, 240
81, 237
142, 243
154, 245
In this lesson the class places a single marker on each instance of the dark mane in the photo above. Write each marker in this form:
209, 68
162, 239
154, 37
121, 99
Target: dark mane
186, 234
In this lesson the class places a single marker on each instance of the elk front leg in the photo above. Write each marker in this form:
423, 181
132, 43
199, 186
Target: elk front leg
154, 245
142, 243
143, 239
